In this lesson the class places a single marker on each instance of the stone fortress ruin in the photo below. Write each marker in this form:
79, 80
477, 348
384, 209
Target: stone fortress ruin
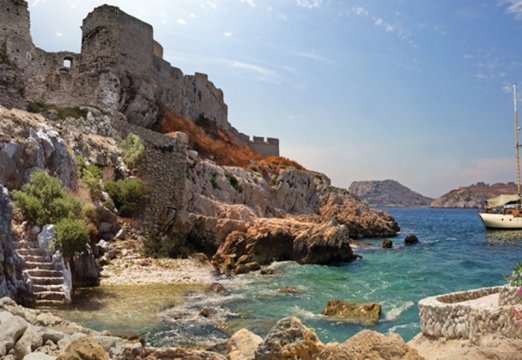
120, 69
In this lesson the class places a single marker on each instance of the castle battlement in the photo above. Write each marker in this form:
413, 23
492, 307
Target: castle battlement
120, 69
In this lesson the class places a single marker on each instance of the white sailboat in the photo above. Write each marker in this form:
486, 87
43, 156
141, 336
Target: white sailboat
505, 211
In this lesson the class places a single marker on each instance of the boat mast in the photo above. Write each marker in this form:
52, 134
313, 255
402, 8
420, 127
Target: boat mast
517, 145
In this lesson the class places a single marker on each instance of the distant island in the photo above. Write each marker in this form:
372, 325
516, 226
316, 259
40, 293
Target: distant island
388, 193
473, 196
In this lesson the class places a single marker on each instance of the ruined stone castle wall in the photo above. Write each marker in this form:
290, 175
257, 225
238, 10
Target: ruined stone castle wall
166, 164
114, 39
120, 68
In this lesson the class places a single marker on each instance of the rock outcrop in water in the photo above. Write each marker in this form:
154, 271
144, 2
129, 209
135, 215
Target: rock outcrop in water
388, 193
473, 196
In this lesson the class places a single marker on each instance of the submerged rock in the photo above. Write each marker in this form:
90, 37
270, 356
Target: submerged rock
411, 239
366, 314
387, 244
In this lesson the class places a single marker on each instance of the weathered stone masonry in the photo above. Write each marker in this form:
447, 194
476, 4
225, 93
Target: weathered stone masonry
166, 164
120, 68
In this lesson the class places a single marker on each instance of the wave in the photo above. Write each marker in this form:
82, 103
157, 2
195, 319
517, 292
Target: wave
396, 311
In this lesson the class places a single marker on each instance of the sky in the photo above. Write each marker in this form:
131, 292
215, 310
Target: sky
412, 90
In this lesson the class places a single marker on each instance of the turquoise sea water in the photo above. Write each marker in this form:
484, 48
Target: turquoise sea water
455, 253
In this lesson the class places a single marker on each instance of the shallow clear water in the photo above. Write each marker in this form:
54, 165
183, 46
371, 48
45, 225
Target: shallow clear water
455, 253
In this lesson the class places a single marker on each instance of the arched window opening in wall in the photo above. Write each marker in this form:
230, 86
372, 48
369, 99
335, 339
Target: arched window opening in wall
67, 62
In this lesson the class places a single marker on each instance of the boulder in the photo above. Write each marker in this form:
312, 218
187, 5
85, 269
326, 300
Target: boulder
216, 287
289, 339
169, 353
370, 345
85, 270
11, 329
84, 348
45, 239
39, 356
411, 239
366, 314
242, 345
269, 240
387, 244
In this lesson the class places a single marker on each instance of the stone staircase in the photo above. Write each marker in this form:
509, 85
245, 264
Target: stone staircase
47, 283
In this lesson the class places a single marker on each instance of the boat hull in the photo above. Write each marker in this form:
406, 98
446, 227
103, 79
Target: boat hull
501, 221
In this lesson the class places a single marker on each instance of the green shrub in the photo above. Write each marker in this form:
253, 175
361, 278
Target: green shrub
64, 207
63, 111
133, 151
31, 207
43, 200
128, 195
516, 276
90, 175
71, 236
89, 213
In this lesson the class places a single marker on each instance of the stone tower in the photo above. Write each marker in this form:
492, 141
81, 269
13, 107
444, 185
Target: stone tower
15, 36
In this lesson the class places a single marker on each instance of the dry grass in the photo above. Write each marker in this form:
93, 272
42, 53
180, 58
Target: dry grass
213, 143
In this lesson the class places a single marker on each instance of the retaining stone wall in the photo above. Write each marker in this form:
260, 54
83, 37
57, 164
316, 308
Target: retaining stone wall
449, 317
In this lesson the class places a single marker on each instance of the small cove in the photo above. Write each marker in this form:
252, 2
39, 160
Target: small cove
455, 253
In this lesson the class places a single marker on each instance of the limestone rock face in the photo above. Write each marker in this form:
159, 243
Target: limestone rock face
11, 280
361, 221
366, 314
27, 143
370, 345
289, 339
243, 344
170, 353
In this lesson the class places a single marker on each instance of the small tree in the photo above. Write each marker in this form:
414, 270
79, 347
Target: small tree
133, 151
44, 201
71, 236
128, 195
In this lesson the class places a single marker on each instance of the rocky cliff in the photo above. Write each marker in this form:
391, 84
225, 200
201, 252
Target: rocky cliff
473, 196
387, 193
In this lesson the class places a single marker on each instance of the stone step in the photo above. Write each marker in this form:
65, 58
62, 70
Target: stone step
43, 273
48, 303
34, 258
25, 245
48, 287
49, 295
44, 265
27, 251
41, 280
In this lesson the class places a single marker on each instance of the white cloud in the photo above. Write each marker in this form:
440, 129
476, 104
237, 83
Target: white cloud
310, 4
314, 56
282, 16
211, 4
249, 2
227, 34
514, 7
58, 34
181, 22
192, 16
262, 73
360, 11
378, 22
34, 3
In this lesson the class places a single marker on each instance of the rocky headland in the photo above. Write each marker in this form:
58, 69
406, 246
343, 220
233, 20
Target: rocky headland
388, 193
473, 196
